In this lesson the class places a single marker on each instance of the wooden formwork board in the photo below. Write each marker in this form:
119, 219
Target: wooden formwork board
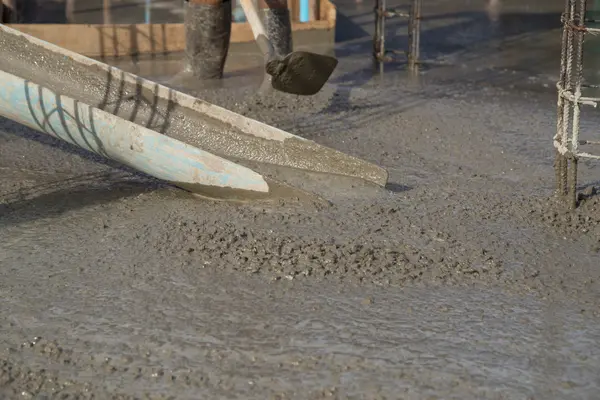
126, 40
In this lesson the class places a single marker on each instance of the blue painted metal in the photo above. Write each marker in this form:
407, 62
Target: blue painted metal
148, 11
238, 14
115, 138
304, 10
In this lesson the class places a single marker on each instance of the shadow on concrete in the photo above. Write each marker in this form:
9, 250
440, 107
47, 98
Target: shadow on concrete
468, 39
397, 188
347, 30
77, 124
54, 198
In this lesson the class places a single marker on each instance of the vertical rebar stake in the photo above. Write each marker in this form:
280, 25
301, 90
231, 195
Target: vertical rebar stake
377, 34
148, 11
558, 161
106, 12
568, 86
573, 183
578, 58
70, 11
414, 31
560, 124
381, 53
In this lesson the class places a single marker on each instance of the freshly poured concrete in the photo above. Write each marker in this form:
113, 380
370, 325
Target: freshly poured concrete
462, 281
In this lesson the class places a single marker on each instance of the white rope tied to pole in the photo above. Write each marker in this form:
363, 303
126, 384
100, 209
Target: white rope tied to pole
568, 95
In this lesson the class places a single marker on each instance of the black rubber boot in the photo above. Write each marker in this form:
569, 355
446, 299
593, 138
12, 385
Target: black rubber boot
12, 12
277, 20
279, 28
207, 33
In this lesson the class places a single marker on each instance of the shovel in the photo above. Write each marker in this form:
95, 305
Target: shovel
300, 72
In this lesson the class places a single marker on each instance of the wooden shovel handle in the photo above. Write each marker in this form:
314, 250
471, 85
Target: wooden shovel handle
258, 28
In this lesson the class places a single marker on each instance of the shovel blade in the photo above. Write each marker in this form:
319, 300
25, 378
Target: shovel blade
301, 72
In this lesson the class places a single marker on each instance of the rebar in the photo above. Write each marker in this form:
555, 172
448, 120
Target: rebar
567, 140
568, 87
148, 11
412, 54
573, 184
560, 124
106, 14
378, 35
414, 28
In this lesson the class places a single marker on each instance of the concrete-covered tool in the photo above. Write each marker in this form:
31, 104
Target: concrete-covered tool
118, 139
300, 72
165, 133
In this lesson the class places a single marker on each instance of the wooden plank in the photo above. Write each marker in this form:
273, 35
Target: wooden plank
327, 12
126, 40
312, 10
110, 40
295, 11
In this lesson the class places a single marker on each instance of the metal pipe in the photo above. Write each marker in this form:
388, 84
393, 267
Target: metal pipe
377, 31
70, 11
106, 14
148, 11
304, 10
381, 39
414, 33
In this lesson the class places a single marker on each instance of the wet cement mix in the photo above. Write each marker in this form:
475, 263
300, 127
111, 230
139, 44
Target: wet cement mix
464, 279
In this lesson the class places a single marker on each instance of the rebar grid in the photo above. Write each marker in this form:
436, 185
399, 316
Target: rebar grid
570, 100
412, 54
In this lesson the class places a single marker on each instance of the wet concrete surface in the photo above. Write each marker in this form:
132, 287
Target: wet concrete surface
463, 280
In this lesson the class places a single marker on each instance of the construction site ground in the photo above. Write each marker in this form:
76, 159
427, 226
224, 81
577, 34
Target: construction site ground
464, 280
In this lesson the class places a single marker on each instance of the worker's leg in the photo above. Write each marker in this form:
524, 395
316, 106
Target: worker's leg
10, 12
278, 24
207, 32
493, 10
